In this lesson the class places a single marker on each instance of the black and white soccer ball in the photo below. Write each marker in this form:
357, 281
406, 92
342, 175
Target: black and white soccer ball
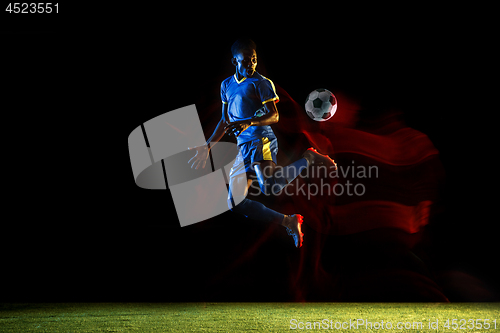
321, 105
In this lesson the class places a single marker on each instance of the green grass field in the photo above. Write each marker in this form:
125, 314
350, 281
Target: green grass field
246, 317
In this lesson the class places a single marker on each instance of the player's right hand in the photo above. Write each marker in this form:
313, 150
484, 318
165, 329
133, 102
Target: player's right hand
200, 158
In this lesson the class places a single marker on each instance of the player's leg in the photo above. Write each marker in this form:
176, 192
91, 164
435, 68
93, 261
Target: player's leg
314, 158
260, 156
271, 180
238, 203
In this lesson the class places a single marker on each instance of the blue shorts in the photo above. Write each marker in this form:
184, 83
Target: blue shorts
262, 149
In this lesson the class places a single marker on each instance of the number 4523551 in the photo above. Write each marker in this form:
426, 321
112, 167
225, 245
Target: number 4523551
32, 8
471, 324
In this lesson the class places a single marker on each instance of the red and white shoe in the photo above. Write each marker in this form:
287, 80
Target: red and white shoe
292, 223
314, 158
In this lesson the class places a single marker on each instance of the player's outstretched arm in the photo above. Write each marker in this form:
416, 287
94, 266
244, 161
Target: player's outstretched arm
201, 156
271, 117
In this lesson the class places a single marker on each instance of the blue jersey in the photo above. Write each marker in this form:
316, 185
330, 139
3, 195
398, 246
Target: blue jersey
245, 99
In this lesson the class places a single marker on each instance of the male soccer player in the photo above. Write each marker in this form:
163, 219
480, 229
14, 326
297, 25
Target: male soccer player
248, 109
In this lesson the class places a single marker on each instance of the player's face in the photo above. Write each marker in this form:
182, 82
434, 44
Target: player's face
246, 62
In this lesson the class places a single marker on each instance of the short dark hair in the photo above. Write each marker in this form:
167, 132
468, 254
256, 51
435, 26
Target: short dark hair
242, 44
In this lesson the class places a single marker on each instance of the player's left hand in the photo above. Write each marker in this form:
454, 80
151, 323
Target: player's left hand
237, 127
200, 159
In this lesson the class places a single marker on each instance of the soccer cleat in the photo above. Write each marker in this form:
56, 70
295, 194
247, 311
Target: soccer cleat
292, 224
314, 158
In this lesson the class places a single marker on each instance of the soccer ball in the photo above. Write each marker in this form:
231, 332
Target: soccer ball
321, 105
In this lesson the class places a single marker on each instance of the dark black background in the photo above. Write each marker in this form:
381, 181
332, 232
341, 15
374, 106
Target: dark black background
77, 85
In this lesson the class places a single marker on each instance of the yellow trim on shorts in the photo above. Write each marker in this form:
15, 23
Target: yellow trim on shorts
266, 149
